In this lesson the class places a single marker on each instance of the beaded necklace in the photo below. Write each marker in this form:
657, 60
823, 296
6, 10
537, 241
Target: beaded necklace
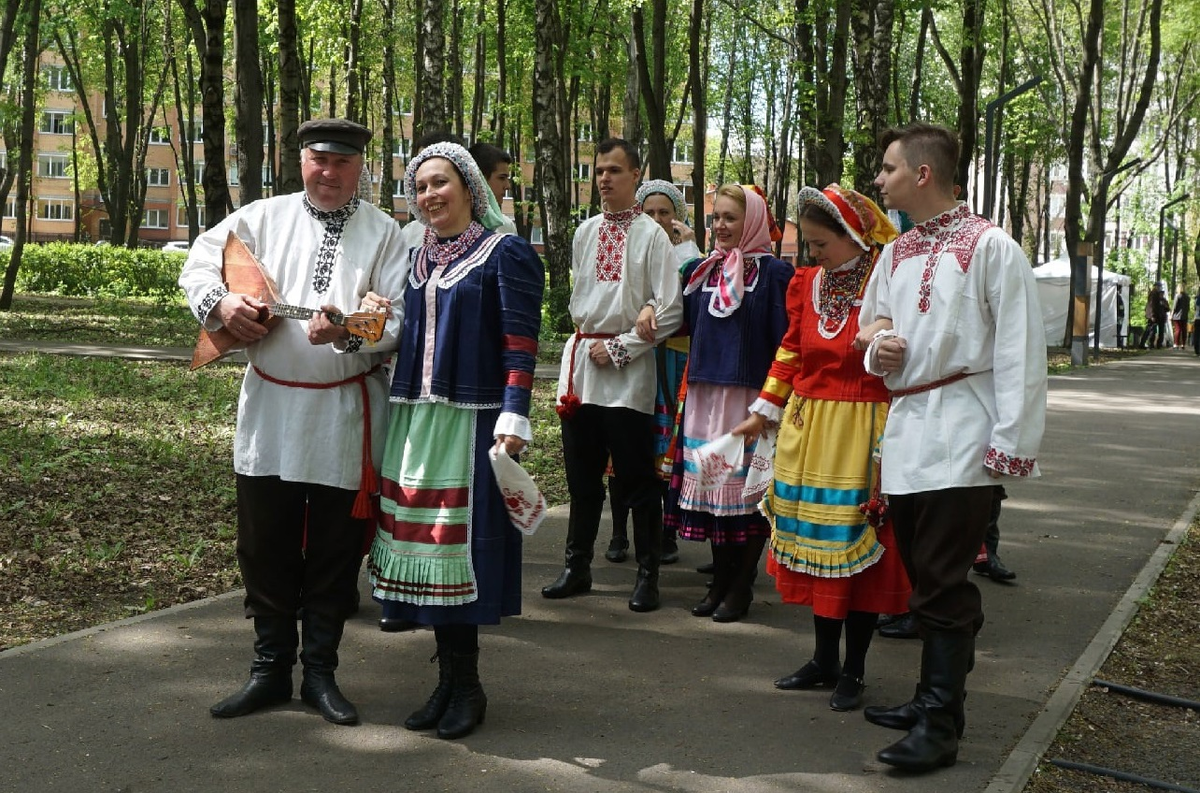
440, 251
836, 292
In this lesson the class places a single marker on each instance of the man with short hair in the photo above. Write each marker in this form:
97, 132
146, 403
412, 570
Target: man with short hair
496, 165
621, 261
965, 362
312, 411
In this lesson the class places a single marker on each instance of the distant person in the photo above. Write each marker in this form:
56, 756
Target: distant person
965, 363
1179, 317
311, 414
621, 261
1157, 311
1196, 324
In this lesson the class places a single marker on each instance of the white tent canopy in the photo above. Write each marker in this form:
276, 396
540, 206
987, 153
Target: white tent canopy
1054, 289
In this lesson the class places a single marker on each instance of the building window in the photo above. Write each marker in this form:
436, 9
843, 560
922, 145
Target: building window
181, 218
535, 236
158, 177
583, 172
10, 207
197, 135
682, 152
155, 219
686, 189
233, 175
52, 166
198, 174
55, 209
56, 122
404, 105
398, 189
160, 135
3, 159
583, 132
57, 78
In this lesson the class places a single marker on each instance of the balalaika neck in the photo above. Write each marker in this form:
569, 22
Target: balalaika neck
300, 312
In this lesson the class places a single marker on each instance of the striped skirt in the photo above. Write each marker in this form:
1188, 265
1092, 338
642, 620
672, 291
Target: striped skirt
823, 552
444, 551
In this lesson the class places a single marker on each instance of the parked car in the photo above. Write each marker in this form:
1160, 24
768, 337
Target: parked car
180, 246
5, 242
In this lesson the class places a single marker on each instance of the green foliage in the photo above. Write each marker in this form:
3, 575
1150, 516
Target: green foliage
98, 271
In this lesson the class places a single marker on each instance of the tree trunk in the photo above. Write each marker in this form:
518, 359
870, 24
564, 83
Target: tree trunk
498, 119
550, 153
698, 67
387, 182
208, 35
631, 126
430, 86
477, 94
248, 100
185, 106
872, 46
454, 91
971, 71
288, 179
653, 87
1077, 132
356, 83
32, 50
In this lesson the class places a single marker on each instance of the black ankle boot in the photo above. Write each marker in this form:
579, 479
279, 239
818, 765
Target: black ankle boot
270, 680
428, 717
468, 703
645, 592
320, 639
932, 742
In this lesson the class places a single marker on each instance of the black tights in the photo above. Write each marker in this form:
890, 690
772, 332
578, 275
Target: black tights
459, 638
860, 627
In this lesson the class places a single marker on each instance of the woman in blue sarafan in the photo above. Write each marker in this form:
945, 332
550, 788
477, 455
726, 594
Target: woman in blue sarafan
446, 553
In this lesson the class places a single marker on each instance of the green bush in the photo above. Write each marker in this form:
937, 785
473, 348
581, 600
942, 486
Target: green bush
61, 268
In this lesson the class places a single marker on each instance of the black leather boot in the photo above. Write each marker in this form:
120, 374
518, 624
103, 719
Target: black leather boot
647, 546
270, 680
724, 560
904, 717
468, 703
932, 742
428, 717
321, 636
582, 527
736, 603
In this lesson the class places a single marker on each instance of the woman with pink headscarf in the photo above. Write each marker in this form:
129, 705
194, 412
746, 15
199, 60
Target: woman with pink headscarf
735, 303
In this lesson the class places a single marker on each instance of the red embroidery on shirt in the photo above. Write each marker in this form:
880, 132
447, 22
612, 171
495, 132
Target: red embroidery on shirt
610, 247
1008, 464
956, 232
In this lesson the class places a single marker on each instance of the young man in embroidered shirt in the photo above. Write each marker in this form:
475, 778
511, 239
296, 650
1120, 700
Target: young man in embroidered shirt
312, 411
965, 361
621, 261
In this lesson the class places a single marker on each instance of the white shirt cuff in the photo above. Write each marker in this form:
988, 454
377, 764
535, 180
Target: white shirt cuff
870, 357
513, 424
768, 410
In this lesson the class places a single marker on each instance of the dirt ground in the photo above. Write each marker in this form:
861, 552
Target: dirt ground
1160, 652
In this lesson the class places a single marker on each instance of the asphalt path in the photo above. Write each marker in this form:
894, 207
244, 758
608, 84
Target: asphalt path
585, 695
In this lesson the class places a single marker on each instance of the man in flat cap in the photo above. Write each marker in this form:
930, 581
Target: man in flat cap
311, 413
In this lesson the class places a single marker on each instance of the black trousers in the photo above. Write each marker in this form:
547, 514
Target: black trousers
297, 547
589, 438
938, 534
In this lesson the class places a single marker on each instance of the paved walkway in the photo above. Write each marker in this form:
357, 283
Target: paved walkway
587, 696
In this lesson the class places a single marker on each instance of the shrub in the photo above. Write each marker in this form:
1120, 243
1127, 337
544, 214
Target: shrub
61, 268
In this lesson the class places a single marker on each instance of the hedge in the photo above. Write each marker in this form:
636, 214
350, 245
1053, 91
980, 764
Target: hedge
62, 268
